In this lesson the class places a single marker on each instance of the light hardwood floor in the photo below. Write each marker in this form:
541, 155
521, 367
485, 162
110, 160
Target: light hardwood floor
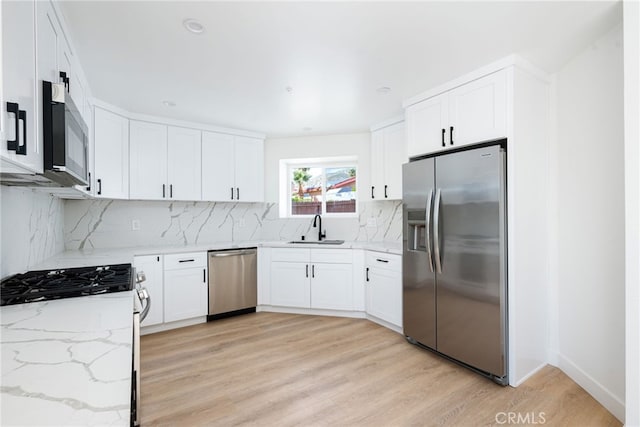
273, 369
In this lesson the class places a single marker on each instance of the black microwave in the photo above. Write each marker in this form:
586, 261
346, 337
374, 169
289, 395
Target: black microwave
65, 137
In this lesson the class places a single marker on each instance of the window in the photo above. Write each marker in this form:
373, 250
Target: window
320, 188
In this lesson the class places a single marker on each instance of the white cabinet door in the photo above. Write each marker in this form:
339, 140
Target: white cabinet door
478, 110
384, 295
249, 169
111, 148
185, 294
151, 265
19, 84
395, 155
218, 166
290, 284
184, 164
426, 121
377, 165
332, 286
388, 153
147, 161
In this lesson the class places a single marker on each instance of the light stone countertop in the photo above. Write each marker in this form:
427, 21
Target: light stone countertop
89, 257
67, 361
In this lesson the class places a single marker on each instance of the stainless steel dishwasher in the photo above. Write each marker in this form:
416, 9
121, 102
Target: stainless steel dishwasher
233, 282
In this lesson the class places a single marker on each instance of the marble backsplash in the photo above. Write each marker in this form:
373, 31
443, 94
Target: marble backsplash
108, 223
32, 228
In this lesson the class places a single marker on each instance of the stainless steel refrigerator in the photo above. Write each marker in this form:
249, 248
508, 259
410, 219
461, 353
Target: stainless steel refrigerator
454, 257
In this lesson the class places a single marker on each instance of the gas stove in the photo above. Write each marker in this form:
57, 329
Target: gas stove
44, 285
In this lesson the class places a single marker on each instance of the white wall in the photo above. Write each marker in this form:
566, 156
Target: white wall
276, 149
31, 230
631, 10
589, 175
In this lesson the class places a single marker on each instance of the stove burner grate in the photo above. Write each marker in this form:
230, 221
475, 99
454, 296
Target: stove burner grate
44, 285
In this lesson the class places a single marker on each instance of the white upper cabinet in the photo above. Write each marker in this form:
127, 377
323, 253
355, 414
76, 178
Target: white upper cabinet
18, 87
184, 165
232, 168
249, 173
388, 153
426, 122
470, 113
111, 148
54, 56
147, 161
164, 162
218, 166
478, 110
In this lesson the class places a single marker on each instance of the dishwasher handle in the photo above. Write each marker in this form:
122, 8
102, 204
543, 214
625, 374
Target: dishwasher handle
232, 253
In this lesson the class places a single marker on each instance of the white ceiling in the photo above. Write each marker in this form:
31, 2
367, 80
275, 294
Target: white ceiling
334, 55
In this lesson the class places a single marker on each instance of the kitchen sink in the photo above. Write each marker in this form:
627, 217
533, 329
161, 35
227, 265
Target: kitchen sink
322, 242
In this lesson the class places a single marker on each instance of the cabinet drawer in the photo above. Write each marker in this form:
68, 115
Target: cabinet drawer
185, 260
384, 261
290, 255
337, 256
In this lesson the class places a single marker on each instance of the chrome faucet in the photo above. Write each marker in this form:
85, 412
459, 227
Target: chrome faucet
321, 235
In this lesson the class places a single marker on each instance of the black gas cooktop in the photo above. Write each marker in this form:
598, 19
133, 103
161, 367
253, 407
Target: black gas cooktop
44, 285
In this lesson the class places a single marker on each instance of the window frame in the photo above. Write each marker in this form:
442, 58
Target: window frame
286, 171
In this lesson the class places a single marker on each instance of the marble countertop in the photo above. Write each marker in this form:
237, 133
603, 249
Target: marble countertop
87, 257
67, 362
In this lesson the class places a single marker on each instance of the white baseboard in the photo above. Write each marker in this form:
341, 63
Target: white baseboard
144, 330
599, 392
394, 328
526, 377
311, 311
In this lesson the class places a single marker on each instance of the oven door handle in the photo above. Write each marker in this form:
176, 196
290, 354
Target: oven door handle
135, 374
146, 300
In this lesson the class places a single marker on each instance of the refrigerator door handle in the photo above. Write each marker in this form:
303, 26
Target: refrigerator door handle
436, 232
427, 230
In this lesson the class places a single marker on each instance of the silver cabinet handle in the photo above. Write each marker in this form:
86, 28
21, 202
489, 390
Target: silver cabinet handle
436, 232
428, 230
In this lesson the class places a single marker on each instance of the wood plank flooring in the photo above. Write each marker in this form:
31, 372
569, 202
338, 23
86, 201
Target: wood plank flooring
273, 369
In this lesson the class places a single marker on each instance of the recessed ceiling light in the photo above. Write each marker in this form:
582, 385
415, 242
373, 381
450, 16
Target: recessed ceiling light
193, 25
168, 103
383, 90
306, 129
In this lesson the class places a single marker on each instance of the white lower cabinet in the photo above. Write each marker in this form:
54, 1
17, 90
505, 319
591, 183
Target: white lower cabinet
383, 287
290, 286
185, 286
312, 278
332, 286
177, 285
151, 265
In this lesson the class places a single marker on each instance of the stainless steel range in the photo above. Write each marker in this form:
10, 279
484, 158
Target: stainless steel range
46, 285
